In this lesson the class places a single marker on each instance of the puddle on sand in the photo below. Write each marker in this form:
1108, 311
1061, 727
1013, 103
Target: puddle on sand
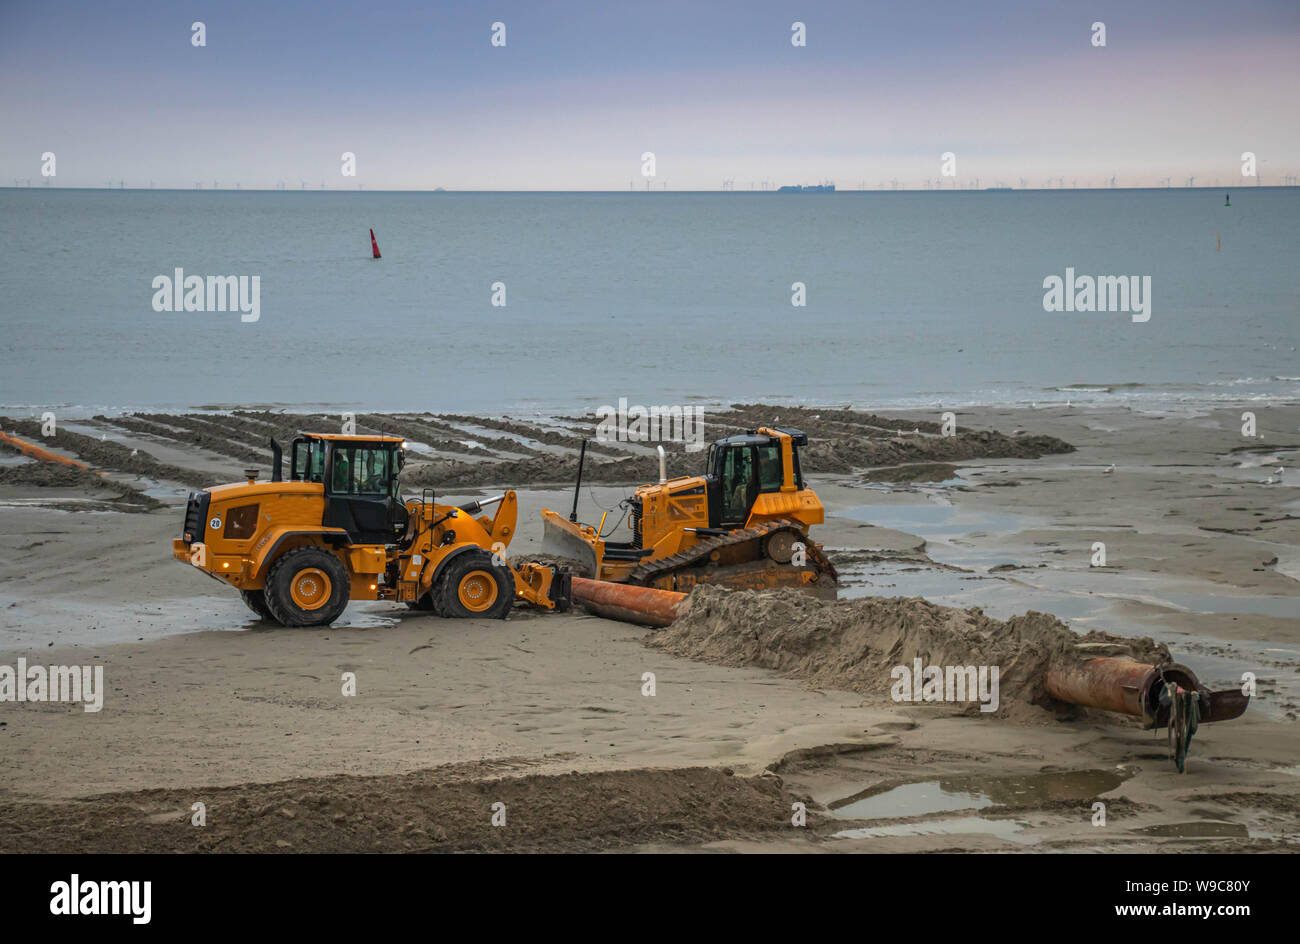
1204, 829
925, 797
998, 596
973, 792
935, 521
1002, 829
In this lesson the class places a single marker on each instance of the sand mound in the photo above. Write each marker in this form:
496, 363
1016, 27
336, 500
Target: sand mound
854, 645
441, 810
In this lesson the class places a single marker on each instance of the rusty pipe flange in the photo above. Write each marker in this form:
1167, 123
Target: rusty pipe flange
1115, 684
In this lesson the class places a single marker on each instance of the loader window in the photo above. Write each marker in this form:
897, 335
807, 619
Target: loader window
362, 470
307, 460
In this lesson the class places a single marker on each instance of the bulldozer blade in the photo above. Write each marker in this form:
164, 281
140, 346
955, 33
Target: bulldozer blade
563, 539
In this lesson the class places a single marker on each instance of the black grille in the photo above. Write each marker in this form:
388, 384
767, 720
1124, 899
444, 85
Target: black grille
634, 519
196, 516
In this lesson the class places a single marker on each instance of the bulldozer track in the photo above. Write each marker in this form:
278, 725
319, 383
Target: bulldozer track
645, 574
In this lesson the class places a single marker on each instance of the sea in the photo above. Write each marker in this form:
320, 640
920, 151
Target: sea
562, 302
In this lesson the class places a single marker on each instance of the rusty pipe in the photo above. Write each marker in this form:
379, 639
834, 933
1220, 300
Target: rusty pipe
1130, 687
644, 605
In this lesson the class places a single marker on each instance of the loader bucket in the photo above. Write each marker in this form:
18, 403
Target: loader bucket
567, 539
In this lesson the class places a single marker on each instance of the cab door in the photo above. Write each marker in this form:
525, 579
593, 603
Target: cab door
738, 485
361, 492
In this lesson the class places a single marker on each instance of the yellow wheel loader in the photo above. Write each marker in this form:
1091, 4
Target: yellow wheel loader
338, 530
743, 524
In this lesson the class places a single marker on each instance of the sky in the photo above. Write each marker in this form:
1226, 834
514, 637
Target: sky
581, 90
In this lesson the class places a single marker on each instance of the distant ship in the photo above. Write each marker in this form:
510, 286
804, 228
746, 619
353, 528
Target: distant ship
820, 188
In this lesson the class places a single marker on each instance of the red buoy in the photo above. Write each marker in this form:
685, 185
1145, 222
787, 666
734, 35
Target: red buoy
374, 246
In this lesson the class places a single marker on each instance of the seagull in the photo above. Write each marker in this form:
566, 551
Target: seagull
135, 452
1108, 471
1279, 471
1270, 481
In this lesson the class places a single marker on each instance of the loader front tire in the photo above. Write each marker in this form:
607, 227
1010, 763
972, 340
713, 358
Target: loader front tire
473, 586
426, 604
308, 586
255, 600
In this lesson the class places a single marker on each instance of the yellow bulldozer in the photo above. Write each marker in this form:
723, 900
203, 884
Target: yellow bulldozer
338, 530
743, 524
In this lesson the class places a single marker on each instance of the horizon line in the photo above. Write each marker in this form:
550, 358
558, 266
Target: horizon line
649, 192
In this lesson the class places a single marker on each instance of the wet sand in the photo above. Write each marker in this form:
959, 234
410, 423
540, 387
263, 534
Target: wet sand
545, 712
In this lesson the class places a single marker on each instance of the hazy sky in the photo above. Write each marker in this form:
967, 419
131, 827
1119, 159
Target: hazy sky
716, 90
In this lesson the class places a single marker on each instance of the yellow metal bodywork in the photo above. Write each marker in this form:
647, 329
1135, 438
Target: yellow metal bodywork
289, 514
669, 508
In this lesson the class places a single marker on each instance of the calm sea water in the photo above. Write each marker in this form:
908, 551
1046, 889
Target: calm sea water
912, 298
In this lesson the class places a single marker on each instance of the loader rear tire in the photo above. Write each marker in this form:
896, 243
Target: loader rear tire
308, 586
255, 600
473, 587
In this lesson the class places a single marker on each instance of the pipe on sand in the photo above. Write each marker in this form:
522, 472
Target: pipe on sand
645, 606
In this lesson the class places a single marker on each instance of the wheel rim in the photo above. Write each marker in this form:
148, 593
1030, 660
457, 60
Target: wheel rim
780, 547
477, 591
311, 588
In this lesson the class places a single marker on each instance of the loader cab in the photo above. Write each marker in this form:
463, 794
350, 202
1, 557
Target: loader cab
361, 478
740, 468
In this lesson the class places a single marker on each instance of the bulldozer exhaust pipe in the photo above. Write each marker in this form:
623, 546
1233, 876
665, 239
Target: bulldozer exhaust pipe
663, 466
645, 606
582, 458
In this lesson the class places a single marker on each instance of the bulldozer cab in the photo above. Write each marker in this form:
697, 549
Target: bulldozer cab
361, 476
740, 468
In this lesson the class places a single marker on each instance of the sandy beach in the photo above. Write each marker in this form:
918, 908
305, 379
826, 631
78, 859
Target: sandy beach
545, 712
